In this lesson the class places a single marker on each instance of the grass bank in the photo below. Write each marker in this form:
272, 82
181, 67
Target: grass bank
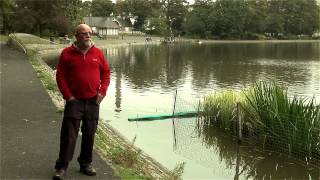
3, 38
269, 116
128, 161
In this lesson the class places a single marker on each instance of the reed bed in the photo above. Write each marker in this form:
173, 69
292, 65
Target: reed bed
283, 123
218, 108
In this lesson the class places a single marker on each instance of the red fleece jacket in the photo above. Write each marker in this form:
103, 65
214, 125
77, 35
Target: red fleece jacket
81, 75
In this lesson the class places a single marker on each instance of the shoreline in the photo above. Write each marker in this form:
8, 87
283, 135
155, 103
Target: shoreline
140, 40
108, 138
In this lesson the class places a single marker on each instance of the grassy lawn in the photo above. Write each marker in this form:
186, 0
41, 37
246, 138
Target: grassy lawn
3, 38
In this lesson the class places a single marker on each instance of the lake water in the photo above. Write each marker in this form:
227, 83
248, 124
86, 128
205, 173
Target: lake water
144, 80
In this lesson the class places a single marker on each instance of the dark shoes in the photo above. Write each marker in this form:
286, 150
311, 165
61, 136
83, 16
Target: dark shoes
59, 174
88, 170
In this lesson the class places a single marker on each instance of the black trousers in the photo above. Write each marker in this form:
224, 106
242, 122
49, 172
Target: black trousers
74, 112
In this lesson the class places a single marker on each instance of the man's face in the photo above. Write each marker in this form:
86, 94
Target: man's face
83, 36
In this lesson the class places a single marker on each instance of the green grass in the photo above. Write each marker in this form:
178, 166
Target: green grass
125, 161
47, 79
126, 173
3, 38
287, 124
32, 40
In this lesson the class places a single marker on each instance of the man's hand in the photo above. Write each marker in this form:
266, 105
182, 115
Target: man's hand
99, 98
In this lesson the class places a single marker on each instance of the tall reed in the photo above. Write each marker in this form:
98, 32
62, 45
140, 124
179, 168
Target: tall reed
290, 124
219, 108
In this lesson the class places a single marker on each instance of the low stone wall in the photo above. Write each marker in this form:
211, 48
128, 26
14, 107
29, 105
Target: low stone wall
14, 43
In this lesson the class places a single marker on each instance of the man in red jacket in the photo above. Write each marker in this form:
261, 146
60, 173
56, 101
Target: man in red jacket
83, 77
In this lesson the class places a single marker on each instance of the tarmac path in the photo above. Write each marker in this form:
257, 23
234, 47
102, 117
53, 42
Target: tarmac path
30, 126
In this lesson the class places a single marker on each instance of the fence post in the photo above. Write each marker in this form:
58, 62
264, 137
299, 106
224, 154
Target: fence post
239, 123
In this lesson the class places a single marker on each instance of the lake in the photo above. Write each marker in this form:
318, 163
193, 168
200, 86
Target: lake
144, 80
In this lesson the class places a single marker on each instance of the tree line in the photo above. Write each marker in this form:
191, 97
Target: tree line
219, 19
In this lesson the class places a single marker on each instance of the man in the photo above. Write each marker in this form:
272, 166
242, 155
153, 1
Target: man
83, 77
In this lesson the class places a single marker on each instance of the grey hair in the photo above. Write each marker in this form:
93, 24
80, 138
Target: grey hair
80, 26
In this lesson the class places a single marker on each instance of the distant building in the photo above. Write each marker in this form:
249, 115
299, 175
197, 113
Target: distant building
103, 26
124, 24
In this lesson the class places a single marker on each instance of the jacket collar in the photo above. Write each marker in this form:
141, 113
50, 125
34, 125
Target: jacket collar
75, 47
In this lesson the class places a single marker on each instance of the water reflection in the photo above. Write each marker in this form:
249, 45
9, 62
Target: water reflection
246, 162
143, 79
226, 65
208, 66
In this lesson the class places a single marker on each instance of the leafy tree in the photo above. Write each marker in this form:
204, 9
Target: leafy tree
157, 26
36, 16
274, 21
229, 18
122, 8
140, 10
7, 8
102, 8
86, 8
175, 12
197, 20
194, 25
73, 11
311, 17
256, 16
247, 18
155, 23
300, 16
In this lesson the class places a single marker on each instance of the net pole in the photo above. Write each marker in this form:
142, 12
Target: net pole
173, 125
239, 123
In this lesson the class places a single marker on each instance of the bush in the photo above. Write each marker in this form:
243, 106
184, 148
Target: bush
254, 36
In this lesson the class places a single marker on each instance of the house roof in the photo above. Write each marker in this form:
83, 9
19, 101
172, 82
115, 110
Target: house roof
104, 22
124, 22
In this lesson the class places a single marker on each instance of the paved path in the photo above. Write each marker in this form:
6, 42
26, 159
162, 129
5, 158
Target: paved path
30, 126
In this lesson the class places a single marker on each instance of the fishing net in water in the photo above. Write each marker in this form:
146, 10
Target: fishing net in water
281, 144
187, 140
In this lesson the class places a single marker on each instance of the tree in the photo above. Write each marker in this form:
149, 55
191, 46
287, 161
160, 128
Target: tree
311, 17
274, 21
102, 8
155, 23
140, 10
36, 16
300, 16
175, 12
195, 25
7, 8
197, 20
86, 8
73, 11
256, 16
230, 18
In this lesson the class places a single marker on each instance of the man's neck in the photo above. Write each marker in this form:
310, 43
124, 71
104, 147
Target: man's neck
83, 48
